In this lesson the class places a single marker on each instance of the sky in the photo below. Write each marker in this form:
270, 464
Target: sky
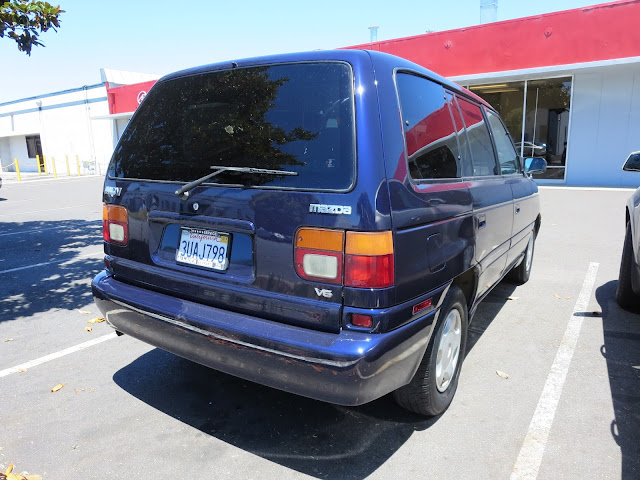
164, 36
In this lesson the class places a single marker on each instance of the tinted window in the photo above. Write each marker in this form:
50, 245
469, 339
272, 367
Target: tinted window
465, 153
295, 117
507, 156
484, 162
432, 147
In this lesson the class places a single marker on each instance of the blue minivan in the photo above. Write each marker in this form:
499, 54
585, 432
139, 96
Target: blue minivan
325, 223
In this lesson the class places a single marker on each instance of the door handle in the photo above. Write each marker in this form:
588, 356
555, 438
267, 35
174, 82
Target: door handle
517, 208
482, 221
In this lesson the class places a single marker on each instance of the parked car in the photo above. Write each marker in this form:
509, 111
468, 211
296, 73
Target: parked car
324, 223
532, 149
628, 291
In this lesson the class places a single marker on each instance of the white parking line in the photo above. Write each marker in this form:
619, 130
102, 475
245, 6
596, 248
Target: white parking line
48, 210
38, 230
532, 451
17, 269
54, 356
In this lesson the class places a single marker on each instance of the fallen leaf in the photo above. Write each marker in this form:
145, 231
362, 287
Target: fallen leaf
22, 370
84, 312
9, 469
8, 340
556, 295
96, 320
513, 298
502, 374
88, 329
567, 298
58, 387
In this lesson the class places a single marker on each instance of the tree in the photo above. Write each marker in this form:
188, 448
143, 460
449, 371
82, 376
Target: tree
24, 20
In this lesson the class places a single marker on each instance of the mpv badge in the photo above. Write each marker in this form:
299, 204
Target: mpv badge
113, 191
195, 206
333, 209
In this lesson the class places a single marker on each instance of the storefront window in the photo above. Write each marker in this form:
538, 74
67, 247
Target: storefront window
508, 100
546, 126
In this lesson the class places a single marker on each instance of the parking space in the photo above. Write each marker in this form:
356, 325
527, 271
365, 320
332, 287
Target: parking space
569, 406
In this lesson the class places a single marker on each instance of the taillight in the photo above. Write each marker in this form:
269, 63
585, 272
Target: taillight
369, 260
115, 224
318, 254
365, 257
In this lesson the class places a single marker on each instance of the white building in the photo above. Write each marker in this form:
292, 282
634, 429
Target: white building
74, 126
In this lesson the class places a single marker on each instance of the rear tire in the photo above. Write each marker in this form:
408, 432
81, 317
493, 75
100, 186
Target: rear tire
433, 386
625, 295
520, 274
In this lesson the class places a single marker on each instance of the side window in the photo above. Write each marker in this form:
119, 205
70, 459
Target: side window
507, 155
484, 160
432, 147
465, 153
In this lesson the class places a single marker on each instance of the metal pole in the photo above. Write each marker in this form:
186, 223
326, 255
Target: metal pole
66, 157
44, 162
17, 169
39, 166
53, 162
78, 164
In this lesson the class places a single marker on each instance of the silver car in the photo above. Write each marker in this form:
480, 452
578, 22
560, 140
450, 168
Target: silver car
628, 292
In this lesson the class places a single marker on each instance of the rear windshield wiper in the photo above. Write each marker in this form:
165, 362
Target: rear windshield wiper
184, 190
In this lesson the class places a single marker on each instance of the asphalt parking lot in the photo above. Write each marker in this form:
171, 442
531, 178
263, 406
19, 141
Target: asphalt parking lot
570, 407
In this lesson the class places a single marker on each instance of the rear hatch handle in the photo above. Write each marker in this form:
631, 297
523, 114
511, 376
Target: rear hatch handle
183, 191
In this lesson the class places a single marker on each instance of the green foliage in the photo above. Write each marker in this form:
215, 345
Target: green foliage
24, 20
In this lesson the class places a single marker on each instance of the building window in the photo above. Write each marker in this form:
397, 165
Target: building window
34, 146
546, 104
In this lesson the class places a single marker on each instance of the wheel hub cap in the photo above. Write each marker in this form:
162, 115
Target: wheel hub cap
448, 350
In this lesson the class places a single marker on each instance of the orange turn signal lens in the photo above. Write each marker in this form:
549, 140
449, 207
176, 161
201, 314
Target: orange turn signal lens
320, 239
369, 243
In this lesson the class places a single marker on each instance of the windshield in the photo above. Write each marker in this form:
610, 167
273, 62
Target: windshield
291, 117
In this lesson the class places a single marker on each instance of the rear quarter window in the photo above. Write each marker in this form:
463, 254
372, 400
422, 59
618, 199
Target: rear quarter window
482, 156
432, 146
293, 117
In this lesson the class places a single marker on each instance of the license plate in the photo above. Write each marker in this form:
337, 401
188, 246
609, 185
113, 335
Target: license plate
204, 248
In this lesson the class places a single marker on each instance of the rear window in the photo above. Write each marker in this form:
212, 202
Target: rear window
291, 117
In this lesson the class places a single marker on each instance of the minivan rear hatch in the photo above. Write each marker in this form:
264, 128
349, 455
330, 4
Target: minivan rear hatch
264, 143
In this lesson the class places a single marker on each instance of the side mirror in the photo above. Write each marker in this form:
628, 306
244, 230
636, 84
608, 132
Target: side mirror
535, 165
633, 163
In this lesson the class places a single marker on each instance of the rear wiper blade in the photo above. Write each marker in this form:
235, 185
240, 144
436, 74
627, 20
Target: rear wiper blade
184, 190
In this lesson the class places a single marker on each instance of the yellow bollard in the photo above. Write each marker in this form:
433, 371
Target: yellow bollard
68, 171
78, 163
17, 169
53, 162
39, 166
44, 162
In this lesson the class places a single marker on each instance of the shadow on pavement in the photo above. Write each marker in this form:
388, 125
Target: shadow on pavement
315, 438
622, 352
43, 286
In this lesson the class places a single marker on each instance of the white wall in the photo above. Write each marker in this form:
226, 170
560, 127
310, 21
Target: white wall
605, 126
65, 126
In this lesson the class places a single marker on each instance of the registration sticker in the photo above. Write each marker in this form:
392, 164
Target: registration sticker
204, 248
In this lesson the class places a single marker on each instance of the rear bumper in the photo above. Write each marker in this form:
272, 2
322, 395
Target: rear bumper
347, 368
